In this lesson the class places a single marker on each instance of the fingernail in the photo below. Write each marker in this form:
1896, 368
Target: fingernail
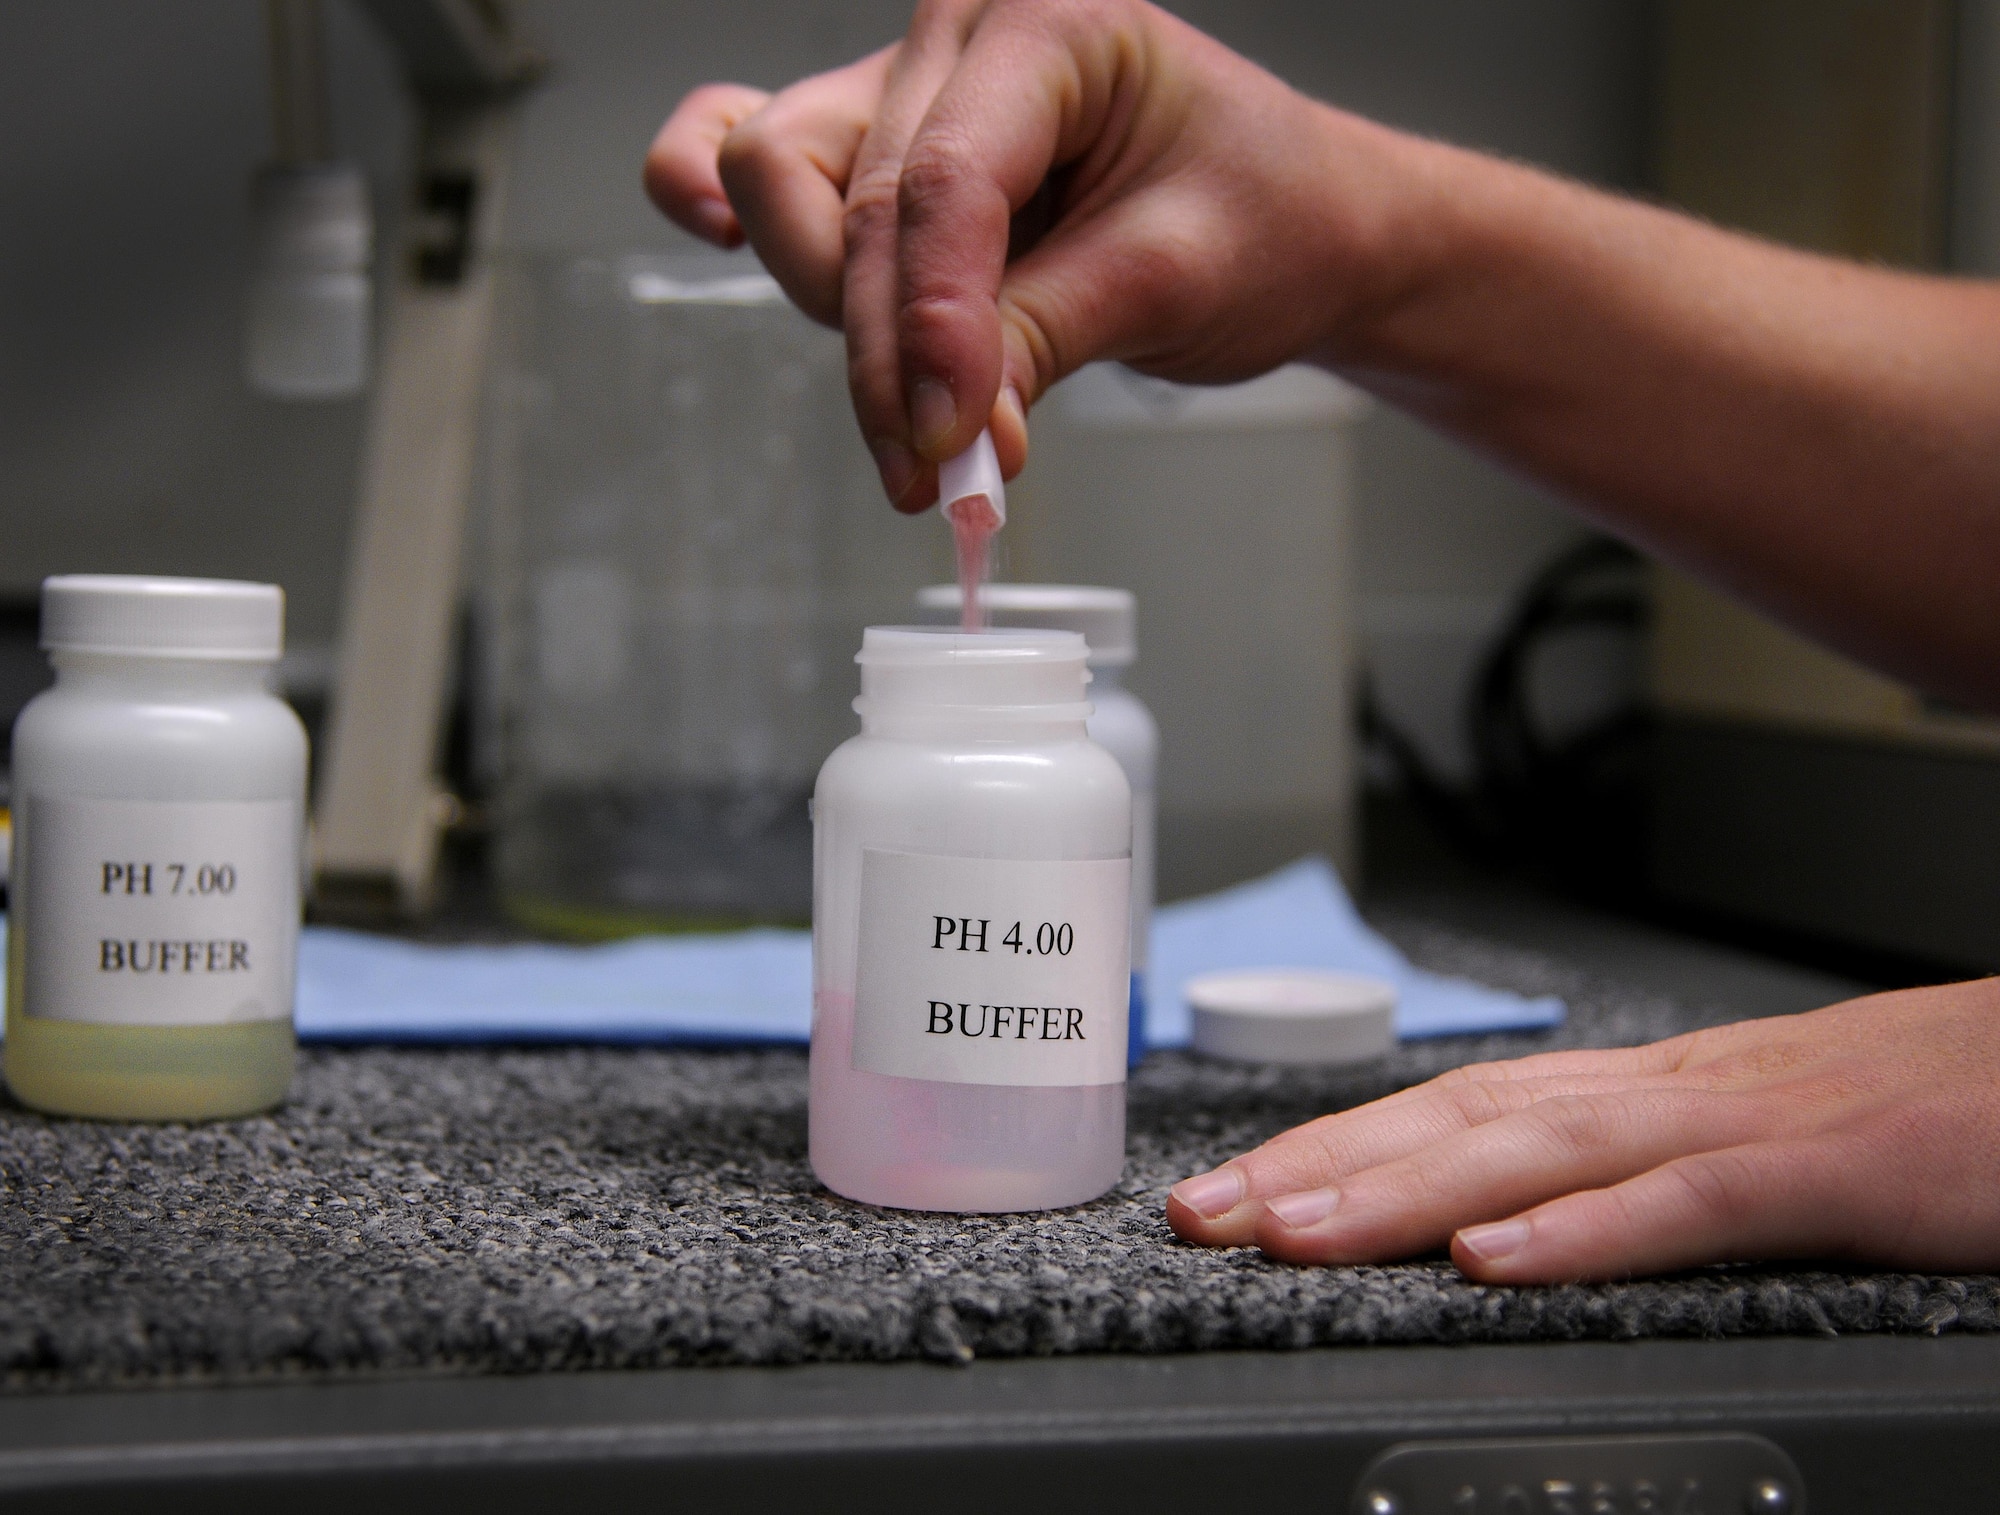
718, 221
1307, 1208
1491, 1243
1010, 400
898, 467
1211, 1195
933, 413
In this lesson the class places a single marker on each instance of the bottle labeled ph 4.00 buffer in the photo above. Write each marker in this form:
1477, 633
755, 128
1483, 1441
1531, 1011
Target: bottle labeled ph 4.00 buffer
1119, 722
971, 930
158, 794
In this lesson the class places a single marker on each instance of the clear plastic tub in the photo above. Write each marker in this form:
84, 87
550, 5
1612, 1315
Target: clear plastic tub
687, 538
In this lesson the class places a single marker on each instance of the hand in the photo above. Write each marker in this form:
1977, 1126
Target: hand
1870, 1131
1018, 189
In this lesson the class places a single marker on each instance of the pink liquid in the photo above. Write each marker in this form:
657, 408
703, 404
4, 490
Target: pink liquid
973, 522
912, 1144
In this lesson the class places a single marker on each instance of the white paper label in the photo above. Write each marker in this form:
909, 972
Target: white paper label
983, 971
159, 913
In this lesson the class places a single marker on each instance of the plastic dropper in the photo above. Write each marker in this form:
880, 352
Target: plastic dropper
974, 500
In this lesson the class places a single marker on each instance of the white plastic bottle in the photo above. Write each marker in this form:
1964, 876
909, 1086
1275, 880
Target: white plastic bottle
159, 793
972, 866
1107, 619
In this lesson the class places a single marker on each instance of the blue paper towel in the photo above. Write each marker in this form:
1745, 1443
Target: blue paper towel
756, 986
1301, 917
750, 986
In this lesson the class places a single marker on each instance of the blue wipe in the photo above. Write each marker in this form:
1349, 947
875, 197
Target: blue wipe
755, 987
743, 987
1301, 917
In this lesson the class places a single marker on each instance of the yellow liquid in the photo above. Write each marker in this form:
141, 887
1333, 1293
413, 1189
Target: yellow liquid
147, 1072
591, 923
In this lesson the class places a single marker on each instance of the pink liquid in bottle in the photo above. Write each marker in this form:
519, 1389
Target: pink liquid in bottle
973, 523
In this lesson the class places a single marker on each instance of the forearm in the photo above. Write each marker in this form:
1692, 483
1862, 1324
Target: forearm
1821, 436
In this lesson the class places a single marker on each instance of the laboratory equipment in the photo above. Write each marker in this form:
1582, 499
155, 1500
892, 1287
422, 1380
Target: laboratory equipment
379, 808
687, 538
307, 336
311, 304
1230, 511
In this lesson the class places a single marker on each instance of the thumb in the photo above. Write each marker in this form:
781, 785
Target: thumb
1022, 99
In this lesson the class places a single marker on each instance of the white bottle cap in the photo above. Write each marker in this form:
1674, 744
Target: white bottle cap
1106, 618
974, 471
133, 616
1292, 1015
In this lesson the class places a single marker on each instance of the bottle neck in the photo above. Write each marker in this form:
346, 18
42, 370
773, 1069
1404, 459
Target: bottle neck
1104, 678
1015, 686
919, 723
154, 678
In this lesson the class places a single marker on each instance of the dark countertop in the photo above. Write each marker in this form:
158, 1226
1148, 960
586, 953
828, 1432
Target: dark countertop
1871, 1424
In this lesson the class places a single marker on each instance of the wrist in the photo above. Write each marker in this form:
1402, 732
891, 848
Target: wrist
1391, 226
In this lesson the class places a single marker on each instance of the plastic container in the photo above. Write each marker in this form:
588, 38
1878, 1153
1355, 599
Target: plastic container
159, 796
972, 870
1107, 619
310, 305
686, 539
1257, 620
1297, 1016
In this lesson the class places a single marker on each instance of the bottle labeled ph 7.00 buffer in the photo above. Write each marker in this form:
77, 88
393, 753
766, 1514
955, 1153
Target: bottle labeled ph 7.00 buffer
158, 795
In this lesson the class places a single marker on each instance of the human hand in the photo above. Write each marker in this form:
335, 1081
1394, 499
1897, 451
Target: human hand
1020, 188
1869, 1130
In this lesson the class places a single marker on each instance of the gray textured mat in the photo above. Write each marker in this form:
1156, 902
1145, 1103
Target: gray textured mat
495, 1210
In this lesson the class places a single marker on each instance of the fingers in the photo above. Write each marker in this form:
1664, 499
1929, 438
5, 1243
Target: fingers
874, 373
1224, 1208
786, 168
1038, 88
1774, 1199
932, 147
1790, 1137
1105, 287
681, 175
1552, 1147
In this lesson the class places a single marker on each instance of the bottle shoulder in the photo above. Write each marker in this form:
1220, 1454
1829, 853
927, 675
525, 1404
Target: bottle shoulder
87, 742
991, 799
1075, 762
